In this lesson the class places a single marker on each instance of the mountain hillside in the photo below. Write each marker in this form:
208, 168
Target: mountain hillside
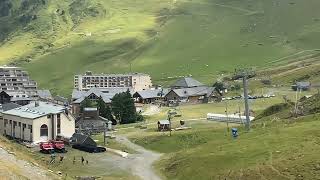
166, 38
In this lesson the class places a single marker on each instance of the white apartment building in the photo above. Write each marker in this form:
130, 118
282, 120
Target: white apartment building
37, 122
135, 81
14, 80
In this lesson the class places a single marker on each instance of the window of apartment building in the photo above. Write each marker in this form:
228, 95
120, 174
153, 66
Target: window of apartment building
24, 126
58, 124
19, 124
30, 127
14, 123
5, 121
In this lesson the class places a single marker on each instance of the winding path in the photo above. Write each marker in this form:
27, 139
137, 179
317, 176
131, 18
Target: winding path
13, 168
141, 163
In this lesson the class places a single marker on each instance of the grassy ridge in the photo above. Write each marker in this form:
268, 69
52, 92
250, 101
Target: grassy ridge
277, 150
164, 38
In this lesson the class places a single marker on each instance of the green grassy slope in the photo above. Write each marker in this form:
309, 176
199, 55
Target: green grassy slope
277, 147
164, 38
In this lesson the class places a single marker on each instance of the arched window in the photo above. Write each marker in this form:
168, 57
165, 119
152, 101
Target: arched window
44, 130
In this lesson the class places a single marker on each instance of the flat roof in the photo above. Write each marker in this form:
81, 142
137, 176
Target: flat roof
31, 111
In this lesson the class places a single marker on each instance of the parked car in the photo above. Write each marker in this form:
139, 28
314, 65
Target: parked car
85, 143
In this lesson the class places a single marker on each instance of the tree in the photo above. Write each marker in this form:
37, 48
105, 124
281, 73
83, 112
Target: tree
219, 86
102, 108
105, 111
109, 115
86, 103
123, 108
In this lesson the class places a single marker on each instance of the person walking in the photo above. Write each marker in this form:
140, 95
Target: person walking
82, 159
53, 158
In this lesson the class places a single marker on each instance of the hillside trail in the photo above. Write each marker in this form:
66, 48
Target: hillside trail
13, 168
141, 163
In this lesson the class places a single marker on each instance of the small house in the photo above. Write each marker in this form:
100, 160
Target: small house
163, 125
186, 82
303, 86
194, 95
150, 96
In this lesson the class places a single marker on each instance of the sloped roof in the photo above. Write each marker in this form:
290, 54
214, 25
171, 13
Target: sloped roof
194, 91
82, 139
303, 84
105, 93
44, 94
155, 93
187, 82
31, 111
61, 99
164, 122
8, 106
76, 94
14, 99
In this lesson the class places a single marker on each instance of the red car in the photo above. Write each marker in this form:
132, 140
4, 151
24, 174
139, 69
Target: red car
58, 146
46, 147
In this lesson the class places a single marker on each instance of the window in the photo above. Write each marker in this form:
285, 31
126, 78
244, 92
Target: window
19, 124
24, 126
14, 123
30, 127
44, 130
58, 124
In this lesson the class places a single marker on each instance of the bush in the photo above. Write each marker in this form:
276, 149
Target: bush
140, 118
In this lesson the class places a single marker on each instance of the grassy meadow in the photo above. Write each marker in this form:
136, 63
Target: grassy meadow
164, 38
275, 151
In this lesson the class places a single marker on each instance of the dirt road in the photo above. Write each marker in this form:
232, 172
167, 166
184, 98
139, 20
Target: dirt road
141, 163
13, 168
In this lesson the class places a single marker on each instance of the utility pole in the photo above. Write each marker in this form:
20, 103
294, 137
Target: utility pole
298, 92
244, 74
169, 119
104, 133
227, 116
246, 101
170, 123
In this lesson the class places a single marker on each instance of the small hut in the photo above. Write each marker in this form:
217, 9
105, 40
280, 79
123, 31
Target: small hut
163, 125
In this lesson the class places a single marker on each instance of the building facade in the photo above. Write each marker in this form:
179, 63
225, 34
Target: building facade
37, 122
15, 80
94, 94
135, 81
